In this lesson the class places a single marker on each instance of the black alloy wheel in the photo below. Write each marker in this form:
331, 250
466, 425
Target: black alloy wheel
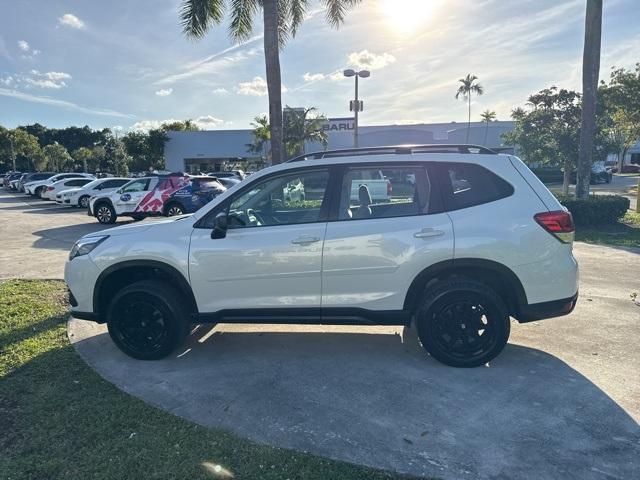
147, 320
463, 323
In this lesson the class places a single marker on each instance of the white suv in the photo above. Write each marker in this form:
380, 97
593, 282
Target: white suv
467, 239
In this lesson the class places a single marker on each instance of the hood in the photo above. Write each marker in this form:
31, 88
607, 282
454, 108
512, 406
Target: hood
137, 227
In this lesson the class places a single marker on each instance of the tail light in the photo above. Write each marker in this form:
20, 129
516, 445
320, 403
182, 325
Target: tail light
389, 188
558, 223
50, 188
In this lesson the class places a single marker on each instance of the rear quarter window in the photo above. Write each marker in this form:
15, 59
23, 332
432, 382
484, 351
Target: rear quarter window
467, 185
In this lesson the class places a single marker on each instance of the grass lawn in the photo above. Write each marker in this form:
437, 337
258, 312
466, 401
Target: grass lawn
626, 233
59, 419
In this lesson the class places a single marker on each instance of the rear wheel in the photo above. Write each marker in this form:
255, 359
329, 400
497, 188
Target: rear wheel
148, 320
38, 192
174, 209
83, 201
105, 213
462, 323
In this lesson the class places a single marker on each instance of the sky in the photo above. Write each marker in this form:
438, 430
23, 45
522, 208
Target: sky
127, 65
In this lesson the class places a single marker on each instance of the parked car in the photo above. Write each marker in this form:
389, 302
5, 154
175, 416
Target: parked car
155, 195
36, 187
79, 197
196, 193
599, 174
227, 182
340, 260
239, 174
33, 177
50, 191
377, 184
9, 177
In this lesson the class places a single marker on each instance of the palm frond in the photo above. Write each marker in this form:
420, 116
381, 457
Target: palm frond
242, 15
197, 16
336, 10
297, 11
284, 21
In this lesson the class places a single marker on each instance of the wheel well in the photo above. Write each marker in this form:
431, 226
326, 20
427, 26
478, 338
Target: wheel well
119, 276
500, 278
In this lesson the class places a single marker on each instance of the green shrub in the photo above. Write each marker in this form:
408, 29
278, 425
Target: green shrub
597, 209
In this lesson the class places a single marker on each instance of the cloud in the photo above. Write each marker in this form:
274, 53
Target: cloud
54, 80
313, 77
220, 91
203, 122
370, 60
164, 92
256, 87
214, 63
70, 20
337, 76
29, 52
27, 97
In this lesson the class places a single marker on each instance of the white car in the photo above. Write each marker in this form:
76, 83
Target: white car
50, 191
79, 197
35, 188
475, 240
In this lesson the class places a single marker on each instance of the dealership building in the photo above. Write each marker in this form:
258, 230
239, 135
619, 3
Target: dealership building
216, 150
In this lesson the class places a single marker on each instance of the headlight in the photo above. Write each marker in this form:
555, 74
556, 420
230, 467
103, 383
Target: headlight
86, 245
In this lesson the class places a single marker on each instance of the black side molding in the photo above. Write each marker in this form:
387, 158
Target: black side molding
310, 316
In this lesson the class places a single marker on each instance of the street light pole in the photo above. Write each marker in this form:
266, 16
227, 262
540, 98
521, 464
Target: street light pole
356, 105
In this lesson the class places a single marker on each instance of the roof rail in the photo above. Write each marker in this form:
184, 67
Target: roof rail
396, 150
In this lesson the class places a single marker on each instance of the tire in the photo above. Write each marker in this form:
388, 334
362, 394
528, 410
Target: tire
174, 209
105, 213
83, 201
148, 320
137, 217
38, 192
462, 323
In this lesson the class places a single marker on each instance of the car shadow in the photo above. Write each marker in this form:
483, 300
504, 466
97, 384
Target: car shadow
373, 400
63, 238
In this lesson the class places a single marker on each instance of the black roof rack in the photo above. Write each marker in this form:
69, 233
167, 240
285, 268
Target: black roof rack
396, 150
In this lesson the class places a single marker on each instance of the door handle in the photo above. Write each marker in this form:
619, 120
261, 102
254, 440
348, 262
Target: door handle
428, 233
304, 240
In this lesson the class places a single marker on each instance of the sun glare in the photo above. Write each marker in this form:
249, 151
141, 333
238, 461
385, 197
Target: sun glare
405, 16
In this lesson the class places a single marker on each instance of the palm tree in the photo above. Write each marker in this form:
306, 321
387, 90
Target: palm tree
303, 126
487, 116
468, 87
261, 137
281, 18
590, 74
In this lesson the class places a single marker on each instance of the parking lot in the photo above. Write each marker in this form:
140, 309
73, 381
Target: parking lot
562, 400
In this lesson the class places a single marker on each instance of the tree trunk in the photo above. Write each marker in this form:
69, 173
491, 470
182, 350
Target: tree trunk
590, 74
567, 176
274, 82
469, 117
621, 155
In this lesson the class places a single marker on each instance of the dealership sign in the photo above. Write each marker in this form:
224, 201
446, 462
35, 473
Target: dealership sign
338, 125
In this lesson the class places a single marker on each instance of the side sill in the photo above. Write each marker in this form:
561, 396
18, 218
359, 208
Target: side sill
310, 316
94, 317
544, 310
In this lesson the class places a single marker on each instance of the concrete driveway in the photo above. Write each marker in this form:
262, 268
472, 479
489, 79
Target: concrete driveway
562, 401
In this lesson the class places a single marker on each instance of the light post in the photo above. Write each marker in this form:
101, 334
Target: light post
356, 105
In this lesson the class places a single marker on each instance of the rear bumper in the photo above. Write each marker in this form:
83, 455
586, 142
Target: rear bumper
542, 311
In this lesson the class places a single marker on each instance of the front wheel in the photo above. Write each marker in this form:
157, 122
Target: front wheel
105, 214
83, 201
463, 323
148, 320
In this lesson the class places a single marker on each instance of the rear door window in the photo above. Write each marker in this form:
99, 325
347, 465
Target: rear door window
468, 184
382, 191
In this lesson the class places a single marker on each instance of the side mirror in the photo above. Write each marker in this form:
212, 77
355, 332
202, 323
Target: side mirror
220, 225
